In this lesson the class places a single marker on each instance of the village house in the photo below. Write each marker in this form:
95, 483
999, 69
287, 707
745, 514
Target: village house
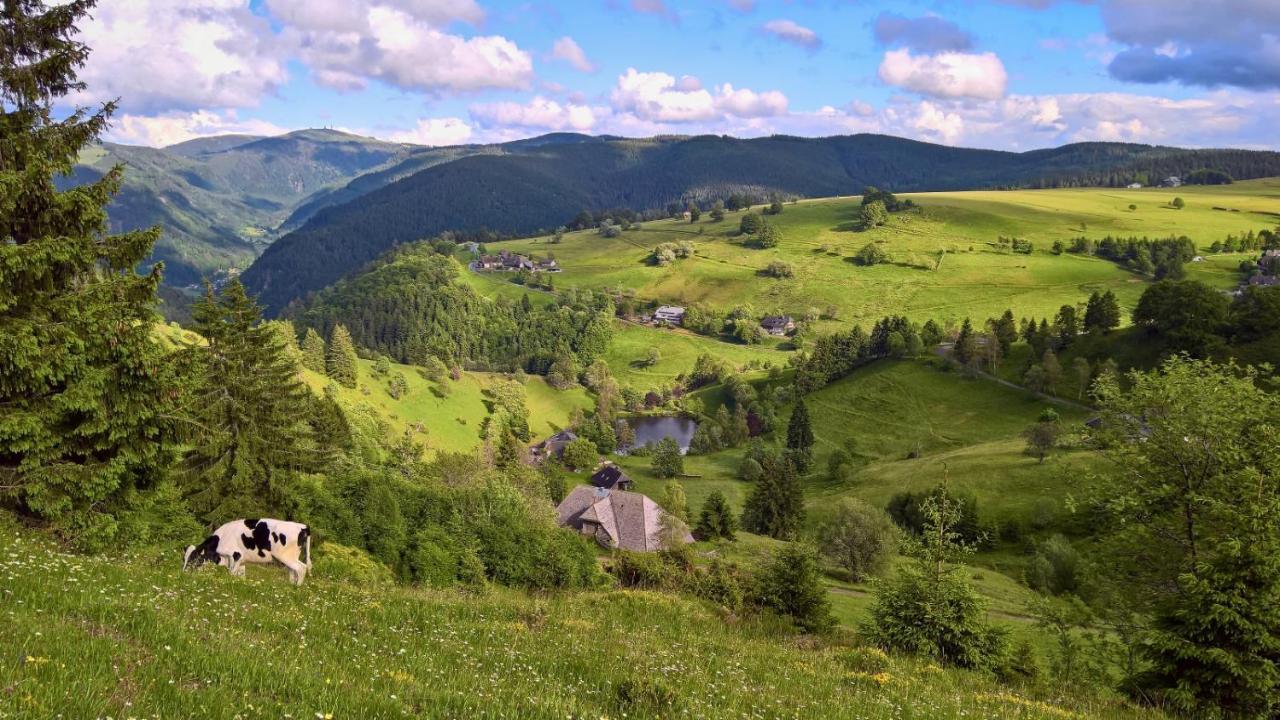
778, 325
611, 477
1171, 181
615, 518
507, 261
668, 315
553, 447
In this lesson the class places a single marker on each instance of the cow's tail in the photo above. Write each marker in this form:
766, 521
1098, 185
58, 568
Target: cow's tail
304, 539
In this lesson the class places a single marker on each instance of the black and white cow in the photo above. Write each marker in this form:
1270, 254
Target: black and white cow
255, 541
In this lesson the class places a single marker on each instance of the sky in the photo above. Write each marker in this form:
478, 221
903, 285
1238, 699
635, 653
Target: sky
1005, 74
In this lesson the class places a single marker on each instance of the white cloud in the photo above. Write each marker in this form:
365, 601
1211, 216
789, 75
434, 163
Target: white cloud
655, 96
434, 131
537, 114
171, 128
748, 103
947, 74
568, 50
399, 42
159, 55
794, 33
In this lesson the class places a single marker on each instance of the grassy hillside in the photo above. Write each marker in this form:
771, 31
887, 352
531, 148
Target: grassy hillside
135, 637
945, 261
442, 421
538, 187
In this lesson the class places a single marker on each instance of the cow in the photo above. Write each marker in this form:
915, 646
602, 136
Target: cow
260, 541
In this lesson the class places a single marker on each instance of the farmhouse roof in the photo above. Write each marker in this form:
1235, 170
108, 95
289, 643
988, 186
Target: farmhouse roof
617, 518
609, 477
776, 321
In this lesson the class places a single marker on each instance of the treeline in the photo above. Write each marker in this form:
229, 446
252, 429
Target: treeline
835, 356
1159, 258
412, 307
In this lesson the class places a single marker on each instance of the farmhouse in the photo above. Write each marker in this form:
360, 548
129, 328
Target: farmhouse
778, 325
553, 446
506, 261
615, 518
611, 477
1171, 181
668, 315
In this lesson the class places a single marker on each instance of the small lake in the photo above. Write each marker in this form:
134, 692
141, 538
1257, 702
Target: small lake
651, 429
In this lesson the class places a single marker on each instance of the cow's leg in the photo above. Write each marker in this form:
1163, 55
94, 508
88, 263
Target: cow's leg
297, 571
235, 565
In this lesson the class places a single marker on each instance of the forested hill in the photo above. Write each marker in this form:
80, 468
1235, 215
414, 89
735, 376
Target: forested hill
537, 185
219, 200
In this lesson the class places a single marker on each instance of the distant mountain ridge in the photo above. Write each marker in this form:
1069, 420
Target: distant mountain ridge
221, 199
536, 184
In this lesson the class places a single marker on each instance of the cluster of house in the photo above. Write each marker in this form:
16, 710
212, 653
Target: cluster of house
673, 316
507, 261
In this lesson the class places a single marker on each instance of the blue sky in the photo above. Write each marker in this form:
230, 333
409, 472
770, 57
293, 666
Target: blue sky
1012, 74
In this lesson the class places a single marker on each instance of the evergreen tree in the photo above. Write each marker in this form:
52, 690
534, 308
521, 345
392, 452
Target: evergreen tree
84, 387
716, 521
342, 364
1102, 312
313, 351
800, 437
1067, 325
776, 504
791, 584
966, 348
250, 409
1006, 331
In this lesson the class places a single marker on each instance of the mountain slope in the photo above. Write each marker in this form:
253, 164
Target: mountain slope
536, 186
220, 199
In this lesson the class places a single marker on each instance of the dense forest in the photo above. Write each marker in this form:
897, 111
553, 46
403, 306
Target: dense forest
412, 307
532, 187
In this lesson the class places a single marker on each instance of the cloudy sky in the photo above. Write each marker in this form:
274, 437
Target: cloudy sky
1010, 74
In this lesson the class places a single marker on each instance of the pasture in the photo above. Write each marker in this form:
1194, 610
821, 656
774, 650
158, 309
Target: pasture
945, 263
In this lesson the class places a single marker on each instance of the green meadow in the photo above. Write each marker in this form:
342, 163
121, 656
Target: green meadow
945, 260
134, 637
445, 420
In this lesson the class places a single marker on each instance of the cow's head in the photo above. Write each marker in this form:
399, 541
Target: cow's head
196, 555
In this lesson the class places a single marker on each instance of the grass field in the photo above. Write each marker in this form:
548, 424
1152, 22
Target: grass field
960, 229
449, 422
97, 637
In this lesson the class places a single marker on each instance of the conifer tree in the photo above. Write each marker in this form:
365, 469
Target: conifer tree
250, 409
716, 521
966, 348
800, 437
84, 388
313, 351
776, 504
341, 362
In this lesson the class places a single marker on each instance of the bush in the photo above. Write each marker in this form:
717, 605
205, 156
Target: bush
350, 565
857, 537
1055, 568
871, 254
869, 660
791, 585
721, 584
580, 454
435, 558
667, 461
749, 469
779, 269
641, 570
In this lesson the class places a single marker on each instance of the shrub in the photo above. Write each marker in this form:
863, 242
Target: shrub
716, 521
436, 558
580, 454
1055, 568
667, 461
749, 469
857, 537
350, 565
779, 269
640, 570
869, 660
791, 584
871, 254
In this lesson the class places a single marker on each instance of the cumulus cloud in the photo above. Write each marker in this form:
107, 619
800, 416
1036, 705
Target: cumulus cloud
171, 128
158, 55
660, 98
746, 103
568, 50
401, 43
1208, 44
924, 34
537, 114
791, 32
656, 96
946, 74
435, 131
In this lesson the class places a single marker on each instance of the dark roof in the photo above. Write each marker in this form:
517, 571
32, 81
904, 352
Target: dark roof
776, 321
609, 477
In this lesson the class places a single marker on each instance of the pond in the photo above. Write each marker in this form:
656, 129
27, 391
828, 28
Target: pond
651, 429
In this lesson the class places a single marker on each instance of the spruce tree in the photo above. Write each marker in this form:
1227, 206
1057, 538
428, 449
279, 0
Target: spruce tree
250, 410
966, 348
313, 351
776, 504
800, 437
84, 388
716, 521
341, 363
